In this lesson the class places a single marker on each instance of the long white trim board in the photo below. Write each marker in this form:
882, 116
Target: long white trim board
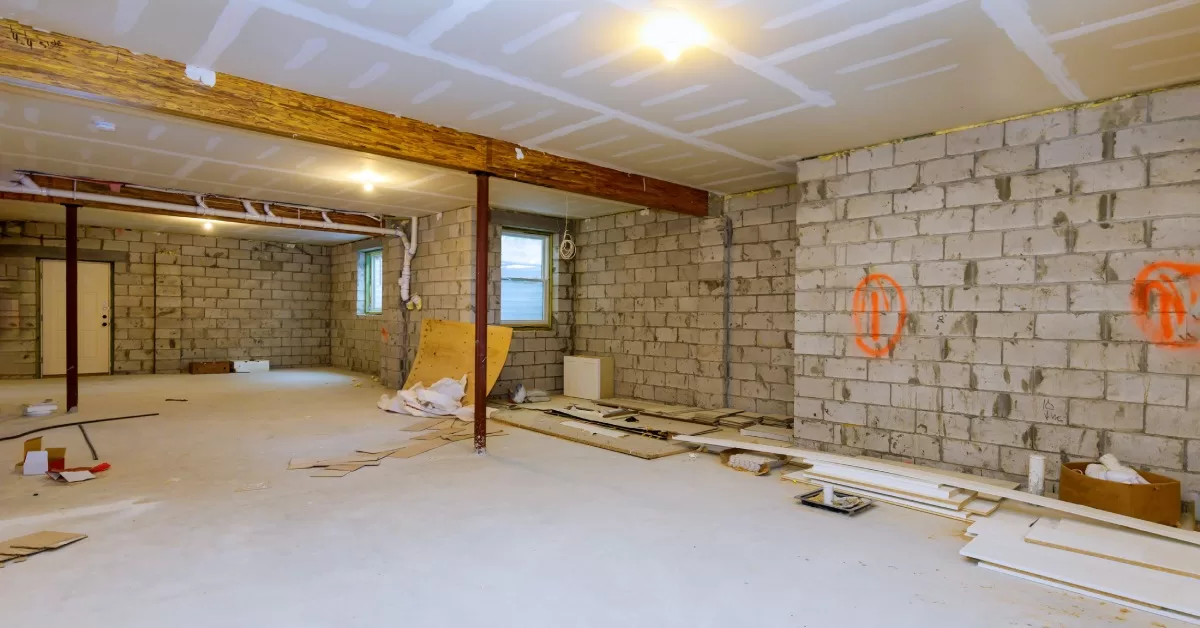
970, 485
1119, 545
1007, 548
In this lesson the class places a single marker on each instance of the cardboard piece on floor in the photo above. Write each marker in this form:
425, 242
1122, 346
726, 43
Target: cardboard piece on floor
45, 540
443, 424
419, 447
71, 477
33, 444
349, 459
36, 463
436, 435
327, 473
302, 463
382, 449
422, 425
56, 458
15, 552
349, 468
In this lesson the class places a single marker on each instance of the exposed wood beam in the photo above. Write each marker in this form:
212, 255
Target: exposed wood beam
86, 69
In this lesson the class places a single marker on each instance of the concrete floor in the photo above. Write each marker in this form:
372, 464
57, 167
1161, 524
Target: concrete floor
539, 532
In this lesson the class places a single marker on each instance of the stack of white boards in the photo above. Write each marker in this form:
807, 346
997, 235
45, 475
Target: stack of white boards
893, 488
1118, 565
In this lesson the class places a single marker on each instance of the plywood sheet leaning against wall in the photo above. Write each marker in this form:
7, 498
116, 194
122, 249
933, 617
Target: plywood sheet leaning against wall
447, 349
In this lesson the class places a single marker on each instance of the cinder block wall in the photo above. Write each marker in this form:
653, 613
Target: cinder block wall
649, 291
762, 281
217, 298
1016, 247
355, 339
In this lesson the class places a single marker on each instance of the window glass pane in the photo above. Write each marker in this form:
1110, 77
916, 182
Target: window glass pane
522, 256
524, 277
523, 301
377, 281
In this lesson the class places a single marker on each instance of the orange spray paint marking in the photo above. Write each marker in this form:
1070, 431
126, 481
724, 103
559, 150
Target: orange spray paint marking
878, 297
1164, 303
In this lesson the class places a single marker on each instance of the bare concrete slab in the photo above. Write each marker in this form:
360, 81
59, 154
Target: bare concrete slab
539, 532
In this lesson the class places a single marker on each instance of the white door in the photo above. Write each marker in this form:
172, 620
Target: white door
95, 317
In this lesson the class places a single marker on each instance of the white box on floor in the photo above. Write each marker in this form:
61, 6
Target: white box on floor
588, 377
251, 366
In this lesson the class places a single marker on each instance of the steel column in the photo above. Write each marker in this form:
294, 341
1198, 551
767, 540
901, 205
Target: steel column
481, 309
72, 307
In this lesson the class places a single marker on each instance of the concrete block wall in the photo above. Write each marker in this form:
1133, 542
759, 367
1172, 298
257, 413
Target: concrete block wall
18, 313
649, 291
1016, 246
762, 282
442, 274
180, 298
355, 339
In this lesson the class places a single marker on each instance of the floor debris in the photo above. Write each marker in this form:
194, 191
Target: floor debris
18, 549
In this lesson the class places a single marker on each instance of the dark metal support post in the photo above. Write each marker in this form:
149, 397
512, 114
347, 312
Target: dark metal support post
72, 307
481, 309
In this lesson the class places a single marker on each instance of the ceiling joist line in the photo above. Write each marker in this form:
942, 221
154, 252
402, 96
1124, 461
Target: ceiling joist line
81, 68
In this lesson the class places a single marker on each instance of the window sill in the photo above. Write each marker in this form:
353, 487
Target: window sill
368, 314
528, 326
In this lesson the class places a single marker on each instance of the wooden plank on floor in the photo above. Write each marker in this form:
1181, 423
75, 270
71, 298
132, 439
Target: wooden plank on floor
633, 445
972, 485
1133, 548
1007, 548
948, 513
45, 540
1090, 593
955, 503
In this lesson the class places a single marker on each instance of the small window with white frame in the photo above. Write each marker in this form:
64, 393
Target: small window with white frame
370, 282
525, 278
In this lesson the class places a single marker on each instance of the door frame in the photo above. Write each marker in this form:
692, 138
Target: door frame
112, 321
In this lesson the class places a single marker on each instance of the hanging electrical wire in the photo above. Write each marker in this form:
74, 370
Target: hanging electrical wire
566, 248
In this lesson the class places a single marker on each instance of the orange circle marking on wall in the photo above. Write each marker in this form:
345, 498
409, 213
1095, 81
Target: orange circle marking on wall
876, 298
1164, 303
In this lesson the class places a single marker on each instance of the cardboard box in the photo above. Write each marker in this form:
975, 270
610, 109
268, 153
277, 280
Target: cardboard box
210, 368
1158, 501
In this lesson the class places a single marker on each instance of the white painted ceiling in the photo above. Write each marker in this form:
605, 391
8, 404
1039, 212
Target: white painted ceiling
60, 135
94, 217
781, 79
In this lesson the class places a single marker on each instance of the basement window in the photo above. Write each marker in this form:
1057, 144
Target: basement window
525, 278
370, 281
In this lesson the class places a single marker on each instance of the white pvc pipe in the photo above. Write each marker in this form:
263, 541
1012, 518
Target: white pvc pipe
410, 249
27, 186
1037, 474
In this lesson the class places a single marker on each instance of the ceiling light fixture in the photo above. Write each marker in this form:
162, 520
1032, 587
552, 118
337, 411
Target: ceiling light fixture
672, 32
208, 225
368, 180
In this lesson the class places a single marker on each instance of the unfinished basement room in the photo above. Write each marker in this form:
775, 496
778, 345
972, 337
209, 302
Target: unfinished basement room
598, 313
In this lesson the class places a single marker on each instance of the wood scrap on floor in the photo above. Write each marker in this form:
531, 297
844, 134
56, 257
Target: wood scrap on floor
979, 485
18, 549
782, 434
542, 423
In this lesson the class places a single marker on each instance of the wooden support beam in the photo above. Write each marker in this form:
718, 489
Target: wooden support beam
72, 307
81, 68
482, 229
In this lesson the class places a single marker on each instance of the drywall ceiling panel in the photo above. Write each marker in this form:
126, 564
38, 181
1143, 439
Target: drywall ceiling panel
767, 87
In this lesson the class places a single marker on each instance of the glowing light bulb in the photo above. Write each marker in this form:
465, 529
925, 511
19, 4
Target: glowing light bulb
368, 187
207, 225
672, 32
